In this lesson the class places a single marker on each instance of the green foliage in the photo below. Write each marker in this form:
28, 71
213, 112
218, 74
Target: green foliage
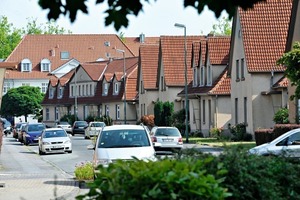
223, 27
281, 116
164, 179
239, 132
49, 28
163, 113
107, 120
23, 100
216, 132
68, 118
291, 60
9, 37
92, 118
178, 120
84, 171
118, 10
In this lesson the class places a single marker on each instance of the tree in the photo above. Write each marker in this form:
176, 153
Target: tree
23, 100
119, 9
9, 37
291, 60
223, 27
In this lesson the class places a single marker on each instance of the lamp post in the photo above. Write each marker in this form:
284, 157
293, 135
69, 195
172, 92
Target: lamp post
185, 82
124, 78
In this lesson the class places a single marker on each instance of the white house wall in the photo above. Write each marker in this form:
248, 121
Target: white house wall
146, 102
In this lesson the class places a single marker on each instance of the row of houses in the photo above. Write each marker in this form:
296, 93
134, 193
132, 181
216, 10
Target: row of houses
230, 79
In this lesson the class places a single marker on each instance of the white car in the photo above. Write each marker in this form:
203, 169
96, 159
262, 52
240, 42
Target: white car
64, 125
54, 140
123, 142
287, 144
93, 129
169, 138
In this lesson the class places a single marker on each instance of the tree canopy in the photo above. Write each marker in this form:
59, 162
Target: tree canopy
23, 100
291, 60
223, 27
118, 10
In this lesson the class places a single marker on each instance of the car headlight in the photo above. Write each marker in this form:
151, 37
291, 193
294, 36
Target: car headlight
46, 143
67, 142
104, 162
27, 135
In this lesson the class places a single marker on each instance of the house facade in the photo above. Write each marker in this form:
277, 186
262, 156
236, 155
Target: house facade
259, 38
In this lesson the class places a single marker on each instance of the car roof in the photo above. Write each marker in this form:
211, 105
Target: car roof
123, 126
53, 129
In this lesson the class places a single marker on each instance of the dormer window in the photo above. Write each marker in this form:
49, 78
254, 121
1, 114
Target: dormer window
26, 65
105, 89
45, 65
60, 92
209, 75
116, 88
195, 81
64, 55
202, 75
51, 92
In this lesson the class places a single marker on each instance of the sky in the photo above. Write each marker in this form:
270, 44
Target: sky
158, 18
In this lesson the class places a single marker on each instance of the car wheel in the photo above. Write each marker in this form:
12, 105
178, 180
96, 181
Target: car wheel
41, 152
70, 151
86, 137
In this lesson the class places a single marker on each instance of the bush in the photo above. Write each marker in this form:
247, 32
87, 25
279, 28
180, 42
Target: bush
84, 171
164, 179
281, 116
216, 132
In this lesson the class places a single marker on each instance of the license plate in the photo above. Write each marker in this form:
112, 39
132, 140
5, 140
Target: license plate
55, 147
168, 140
80, 127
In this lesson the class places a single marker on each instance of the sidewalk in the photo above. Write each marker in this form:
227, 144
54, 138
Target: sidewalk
34, 186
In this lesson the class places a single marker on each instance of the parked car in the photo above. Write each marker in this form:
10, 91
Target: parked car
17, 129
54, 140
122, 142
7, 129
93, 129
287, 144
21, 131
64, 125
169, 138
32, 132
79, 127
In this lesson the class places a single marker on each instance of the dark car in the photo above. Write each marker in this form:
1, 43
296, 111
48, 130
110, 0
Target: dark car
32, 132
79, 127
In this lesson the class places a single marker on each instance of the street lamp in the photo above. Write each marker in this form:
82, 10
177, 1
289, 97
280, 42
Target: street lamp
124, 78
185, 82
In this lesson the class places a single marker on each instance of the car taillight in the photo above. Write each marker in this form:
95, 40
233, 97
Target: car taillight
154, 139
180, 140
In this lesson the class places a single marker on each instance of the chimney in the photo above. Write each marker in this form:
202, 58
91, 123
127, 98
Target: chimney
142, 38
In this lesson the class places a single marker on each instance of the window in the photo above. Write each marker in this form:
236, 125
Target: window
100, 110
195, 81
79, 90
106, 110
44, 87
60, 92
117, 111
56, 113
91, 90
116, 88
87, 90
45, 65
209, 75
162, 83
243, 69
26, 65
237, 70
209, 113
71, 90
25, 84
64, 55
245, 110
236, 110
105, 89
203, 111
202, 75
47, 114
51, 93
142, 88
6, 87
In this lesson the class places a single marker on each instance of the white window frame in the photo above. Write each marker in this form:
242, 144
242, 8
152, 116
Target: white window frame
116, 88
117, 111
44, 87
209, 75
195, 78
202, 75
6, 87
26, 65
47, 114
64, 55
45, 65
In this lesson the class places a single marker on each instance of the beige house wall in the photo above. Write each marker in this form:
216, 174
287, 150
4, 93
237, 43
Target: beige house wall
146, 102
2, 74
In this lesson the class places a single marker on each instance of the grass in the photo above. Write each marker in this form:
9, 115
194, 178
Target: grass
214, 142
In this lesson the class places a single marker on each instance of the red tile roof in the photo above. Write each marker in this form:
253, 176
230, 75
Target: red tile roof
148, 65
281, 83
222, 85
196, 53
264, 30
9, 65
218, 49
134, 43
83, 47
172, 51
95, 70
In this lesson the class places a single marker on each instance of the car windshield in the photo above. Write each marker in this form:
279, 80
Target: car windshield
55, 133
123, 138
167, 132
63, 123
97, 124
36, 127
81, 123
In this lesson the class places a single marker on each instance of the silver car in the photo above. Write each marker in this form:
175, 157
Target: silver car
93, 129
169, 138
